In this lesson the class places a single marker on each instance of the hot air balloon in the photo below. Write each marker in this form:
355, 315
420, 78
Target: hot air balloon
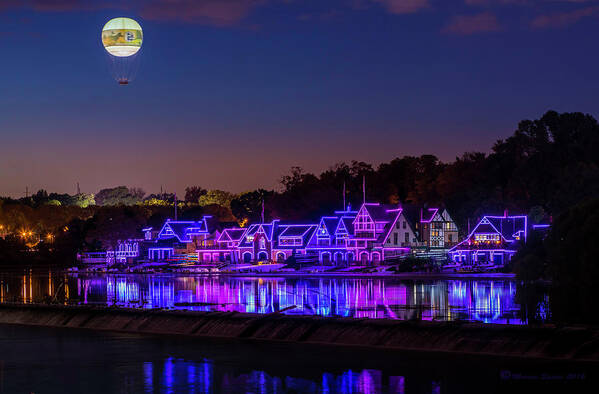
122, 39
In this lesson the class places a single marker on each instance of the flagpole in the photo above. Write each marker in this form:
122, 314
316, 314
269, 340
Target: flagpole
175, 207
344, 206
364, 188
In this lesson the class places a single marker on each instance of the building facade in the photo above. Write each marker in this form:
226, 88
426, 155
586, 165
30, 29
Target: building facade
367, 236
494, 240
274, 241
435, 230
381, 232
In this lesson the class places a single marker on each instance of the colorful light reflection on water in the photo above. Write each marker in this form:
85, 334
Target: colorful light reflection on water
92, 362
489, 301
174, 375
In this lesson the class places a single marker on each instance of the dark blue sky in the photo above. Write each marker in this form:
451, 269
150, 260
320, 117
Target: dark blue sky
230, 94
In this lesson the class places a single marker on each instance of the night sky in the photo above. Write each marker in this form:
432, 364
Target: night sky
232, 93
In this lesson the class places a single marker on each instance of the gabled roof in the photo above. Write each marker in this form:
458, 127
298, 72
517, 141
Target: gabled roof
348, 223
267, 228
511, 229
381, 212
427, 215
211, 224
445, 215
485, 227
232, 234
330, 223
382, 238
298, 230
182, 230
342, 226
304, 232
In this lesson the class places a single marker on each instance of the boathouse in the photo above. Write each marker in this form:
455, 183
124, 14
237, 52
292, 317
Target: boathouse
494, 240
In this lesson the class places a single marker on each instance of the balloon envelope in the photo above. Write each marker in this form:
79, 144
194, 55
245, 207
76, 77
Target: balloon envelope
122, 37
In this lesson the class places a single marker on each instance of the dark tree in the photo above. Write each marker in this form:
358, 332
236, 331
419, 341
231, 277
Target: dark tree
572, 251
193, 194
120, 195
249, 205
110, 225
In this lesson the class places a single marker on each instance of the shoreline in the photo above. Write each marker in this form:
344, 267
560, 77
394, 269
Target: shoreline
335, 275
403, 275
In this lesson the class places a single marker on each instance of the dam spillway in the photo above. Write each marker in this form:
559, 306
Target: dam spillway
381, 335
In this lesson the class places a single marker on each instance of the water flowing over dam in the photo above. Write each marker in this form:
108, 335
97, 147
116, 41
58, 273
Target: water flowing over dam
376, 335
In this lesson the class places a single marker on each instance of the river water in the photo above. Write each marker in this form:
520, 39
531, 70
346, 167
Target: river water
50, 360
486, 300
46, 360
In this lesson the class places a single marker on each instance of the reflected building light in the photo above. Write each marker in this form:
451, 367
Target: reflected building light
168, 376
397, 384
192, 377
490, 301
206, 376
369, 382
148, 377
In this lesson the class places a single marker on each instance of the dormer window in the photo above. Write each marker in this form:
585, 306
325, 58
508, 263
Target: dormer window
486, 237
293, 241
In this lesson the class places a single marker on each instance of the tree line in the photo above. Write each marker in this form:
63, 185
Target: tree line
545, 167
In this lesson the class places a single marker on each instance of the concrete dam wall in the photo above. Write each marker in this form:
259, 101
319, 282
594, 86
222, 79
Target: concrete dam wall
549, 343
